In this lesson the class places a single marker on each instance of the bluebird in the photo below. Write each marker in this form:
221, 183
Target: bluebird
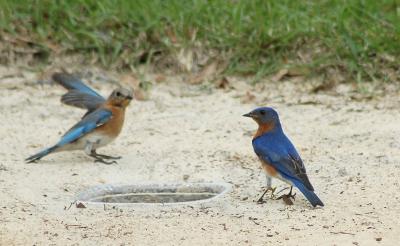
101, 124
278, 156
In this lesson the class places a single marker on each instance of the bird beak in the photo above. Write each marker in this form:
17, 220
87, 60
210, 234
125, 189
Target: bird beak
129, 97
248, 115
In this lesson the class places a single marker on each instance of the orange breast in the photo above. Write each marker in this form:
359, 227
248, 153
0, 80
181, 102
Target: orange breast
113, 127
269, 169
263, 128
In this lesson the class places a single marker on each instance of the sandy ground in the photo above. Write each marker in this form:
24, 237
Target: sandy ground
350, 148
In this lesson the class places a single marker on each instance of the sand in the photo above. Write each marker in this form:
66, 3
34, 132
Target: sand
185, 133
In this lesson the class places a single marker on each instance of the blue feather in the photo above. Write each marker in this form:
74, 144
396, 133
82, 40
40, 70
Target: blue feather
40, 154
86, 125
73, 83
310, 195
277, 150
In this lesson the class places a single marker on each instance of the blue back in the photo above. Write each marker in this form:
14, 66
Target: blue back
277, 150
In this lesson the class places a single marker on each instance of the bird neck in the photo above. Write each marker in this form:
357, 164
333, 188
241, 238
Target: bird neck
264, 128
110, 103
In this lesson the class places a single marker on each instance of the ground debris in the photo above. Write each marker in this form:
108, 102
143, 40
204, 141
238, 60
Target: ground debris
67, 226
254, 220
342, 232
80, 205
3, 168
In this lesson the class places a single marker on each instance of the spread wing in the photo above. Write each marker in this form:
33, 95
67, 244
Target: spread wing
81, 100
78, 95
281, 154
88, 123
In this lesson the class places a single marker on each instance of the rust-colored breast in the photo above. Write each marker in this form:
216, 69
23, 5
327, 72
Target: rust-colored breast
113, 127
264, 128
269, 169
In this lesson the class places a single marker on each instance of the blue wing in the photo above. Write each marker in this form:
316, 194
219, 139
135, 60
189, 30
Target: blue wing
88, 123
277, 150
70, 82
82, 100
79, 94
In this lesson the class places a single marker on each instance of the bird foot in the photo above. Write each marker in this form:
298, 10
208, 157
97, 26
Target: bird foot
104, 161
261, 200
101, 158
108, 157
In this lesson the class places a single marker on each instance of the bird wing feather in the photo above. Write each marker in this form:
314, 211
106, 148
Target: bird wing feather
88, 123
79, 94
82, 100
281, 154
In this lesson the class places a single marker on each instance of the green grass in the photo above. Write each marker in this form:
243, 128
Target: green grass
359, 38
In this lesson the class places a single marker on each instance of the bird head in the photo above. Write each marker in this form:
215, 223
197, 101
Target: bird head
120, 97
264, 116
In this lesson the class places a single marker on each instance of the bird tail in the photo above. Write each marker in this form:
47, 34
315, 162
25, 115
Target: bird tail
310, 195
41, 154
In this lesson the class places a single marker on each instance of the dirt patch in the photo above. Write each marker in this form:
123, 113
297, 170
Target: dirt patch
192, 133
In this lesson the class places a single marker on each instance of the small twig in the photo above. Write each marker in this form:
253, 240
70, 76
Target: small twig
366, 215
254, 220
72, 203
77, 226
342, 232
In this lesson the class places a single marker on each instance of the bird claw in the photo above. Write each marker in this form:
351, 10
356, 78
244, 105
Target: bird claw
273, 192
109, 157
100, 158
261, 201
105, 162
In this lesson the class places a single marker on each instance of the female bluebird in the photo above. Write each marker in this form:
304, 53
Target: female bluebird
278, 156
101, 124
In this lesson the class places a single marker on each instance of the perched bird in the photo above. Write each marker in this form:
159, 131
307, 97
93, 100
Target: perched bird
278, 156
101, 124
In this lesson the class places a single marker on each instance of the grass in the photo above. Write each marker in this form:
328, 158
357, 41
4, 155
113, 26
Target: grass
359, 38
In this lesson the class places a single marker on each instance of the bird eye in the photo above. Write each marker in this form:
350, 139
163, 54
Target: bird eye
118, 94
262, 112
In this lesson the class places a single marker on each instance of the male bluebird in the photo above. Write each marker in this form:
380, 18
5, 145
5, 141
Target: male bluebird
101, 124
278, 156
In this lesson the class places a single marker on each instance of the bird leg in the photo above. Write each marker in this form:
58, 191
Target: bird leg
100, 158
269, 188
260, 200
286, 197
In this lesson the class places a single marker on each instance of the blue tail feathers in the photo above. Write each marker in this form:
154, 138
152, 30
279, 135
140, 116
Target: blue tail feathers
41, 154
310, 195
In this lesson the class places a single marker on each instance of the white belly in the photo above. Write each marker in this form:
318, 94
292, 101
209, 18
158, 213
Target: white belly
279, 176
94, 139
